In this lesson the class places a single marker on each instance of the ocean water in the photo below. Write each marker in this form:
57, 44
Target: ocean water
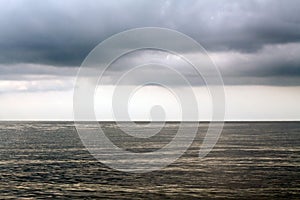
44, 160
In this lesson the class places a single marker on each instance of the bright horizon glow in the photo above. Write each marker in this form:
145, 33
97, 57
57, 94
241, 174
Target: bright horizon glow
263, 103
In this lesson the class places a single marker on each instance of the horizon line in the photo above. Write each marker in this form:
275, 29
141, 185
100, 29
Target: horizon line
140, 121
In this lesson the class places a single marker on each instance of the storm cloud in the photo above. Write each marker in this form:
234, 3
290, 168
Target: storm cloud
247, 39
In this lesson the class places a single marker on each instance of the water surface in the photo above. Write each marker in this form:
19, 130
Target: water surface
251, 160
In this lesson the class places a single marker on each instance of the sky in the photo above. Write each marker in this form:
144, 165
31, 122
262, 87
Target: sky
255, 44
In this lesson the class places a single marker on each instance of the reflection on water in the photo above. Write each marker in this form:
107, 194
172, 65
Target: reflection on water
251, 160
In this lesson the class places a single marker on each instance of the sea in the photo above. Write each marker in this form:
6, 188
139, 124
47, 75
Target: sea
251, 160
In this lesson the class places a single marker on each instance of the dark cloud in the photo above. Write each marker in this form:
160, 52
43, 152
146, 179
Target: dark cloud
258, 41
63, 32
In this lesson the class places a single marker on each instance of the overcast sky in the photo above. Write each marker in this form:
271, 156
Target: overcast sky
255, 44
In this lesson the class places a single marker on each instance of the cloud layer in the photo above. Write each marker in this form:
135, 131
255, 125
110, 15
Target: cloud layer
249, 40
62, 33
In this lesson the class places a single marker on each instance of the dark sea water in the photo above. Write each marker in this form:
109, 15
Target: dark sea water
44, 160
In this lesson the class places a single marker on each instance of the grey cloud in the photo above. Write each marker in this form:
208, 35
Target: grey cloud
259, 40
271, 61
272, 65
63, 32
36, 69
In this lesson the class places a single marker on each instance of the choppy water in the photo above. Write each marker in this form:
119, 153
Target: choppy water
251, 161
